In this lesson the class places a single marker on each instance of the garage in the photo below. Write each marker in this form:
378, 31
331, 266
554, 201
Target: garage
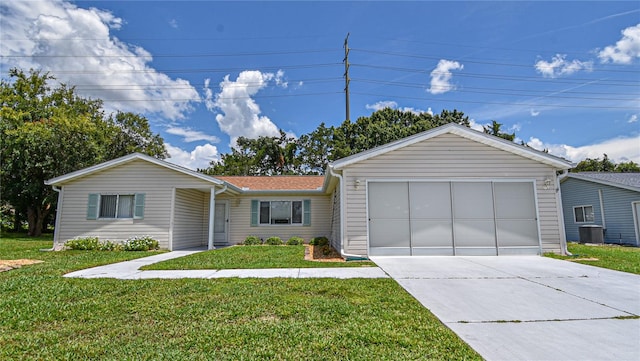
457, 217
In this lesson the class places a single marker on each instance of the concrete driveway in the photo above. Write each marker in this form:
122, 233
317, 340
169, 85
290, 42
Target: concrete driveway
527, 307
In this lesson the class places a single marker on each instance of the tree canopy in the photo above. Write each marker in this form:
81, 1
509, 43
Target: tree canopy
48, 132
606, 165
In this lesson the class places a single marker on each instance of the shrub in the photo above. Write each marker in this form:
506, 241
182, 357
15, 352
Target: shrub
110, 246
83, 243
252, 241
319, 241
273, 241
140, 243
295, 241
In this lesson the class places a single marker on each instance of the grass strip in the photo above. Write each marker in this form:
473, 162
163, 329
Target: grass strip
619, 258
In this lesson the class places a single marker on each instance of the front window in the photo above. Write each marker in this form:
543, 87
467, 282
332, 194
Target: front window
281, 212
583, 214
116, 206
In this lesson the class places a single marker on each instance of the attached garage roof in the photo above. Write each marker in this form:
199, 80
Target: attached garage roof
630, 181
462, 131
275, 183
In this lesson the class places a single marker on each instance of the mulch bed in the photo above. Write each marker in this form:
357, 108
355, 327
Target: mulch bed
6, 265
322, 254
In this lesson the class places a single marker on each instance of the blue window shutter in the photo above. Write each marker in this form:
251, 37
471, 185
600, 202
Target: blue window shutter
254, 212
138, 208
92, 206
306, 218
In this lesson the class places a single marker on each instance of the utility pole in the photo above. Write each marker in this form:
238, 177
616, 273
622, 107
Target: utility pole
346, 75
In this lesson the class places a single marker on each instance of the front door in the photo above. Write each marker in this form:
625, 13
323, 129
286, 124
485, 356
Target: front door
221, 221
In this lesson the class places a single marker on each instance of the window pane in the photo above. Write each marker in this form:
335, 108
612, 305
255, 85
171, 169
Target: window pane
264, 212
296, 212
588, 213
108, 206
125, 207
280, 212
579, 217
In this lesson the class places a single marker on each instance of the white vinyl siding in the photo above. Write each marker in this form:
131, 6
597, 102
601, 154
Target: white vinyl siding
190, 224
241, 216
447, 157
137, 176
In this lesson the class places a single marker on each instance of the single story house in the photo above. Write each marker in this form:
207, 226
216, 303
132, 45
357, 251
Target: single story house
608, 200
447, 191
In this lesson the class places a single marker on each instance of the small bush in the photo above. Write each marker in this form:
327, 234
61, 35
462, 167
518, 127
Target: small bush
319, 241
110, 246
252, 241
83, 243
140, 243
295, 241
273, 241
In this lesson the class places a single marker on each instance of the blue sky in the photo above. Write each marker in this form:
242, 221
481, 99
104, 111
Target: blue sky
563, 75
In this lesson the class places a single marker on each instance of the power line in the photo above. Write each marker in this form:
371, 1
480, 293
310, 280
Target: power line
287, 52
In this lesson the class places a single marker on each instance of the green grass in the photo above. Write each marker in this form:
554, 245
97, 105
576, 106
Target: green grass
245, 257
47, 317
625, 259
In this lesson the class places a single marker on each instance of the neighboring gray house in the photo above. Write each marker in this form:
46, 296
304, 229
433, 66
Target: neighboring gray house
447, 191
610, 200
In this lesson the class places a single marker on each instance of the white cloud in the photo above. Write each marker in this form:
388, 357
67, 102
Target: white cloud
621, 149
394, 105
625, 49
198, 158
39, 34
633, 118
190, 135
534, 113
173, 23
476, 126
441, 76
559, 66
242, 115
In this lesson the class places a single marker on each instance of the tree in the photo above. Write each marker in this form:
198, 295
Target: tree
49, 132
605, 165
494, 129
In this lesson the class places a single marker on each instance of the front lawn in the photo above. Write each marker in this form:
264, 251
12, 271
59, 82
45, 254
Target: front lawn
619, 258
47, 317
245, 257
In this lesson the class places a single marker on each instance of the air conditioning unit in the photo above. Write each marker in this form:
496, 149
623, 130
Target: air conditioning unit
591, 234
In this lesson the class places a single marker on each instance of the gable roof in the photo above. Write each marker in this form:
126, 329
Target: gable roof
462, 131
126, 159
630, 181
275, 183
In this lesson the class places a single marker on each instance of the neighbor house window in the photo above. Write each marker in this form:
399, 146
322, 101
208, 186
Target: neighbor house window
281, 212
583, 214
115, 206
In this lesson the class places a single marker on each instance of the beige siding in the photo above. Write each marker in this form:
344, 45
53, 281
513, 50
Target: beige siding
240, 219
135, 177
190, 225
335, 219
446, 157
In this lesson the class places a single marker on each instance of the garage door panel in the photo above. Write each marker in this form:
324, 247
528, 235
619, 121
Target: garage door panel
517, 233
388, 200
514, 200
389, 233
432, 233
472, 200
474, 233
430, 200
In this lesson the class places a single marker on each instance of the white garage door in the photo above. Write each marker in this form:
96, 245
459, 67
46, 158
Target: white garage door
452, 218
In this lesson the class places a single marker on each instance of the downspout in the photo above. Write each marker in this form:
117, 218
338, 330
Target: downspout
57, 224
342, 216
563, 233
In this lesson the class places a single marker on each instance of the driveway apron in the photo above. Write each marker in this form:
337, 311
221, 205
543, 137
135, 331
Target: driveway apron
527, 307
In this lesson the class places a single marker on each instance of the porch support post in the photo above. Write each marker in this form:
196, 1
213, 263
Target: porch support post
212, 215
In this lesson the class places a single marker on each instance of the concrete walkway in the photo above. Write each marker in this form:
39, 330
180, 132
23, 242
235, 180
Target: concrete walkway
527, 308
129, 270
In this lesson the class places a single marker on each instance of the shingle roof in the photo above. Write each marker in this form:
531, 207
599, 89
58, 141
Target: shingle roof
280, 183
625, 180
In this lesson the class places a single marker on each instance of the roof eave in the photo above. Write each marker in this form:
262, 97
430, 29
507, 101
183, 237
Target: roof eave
604, 182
